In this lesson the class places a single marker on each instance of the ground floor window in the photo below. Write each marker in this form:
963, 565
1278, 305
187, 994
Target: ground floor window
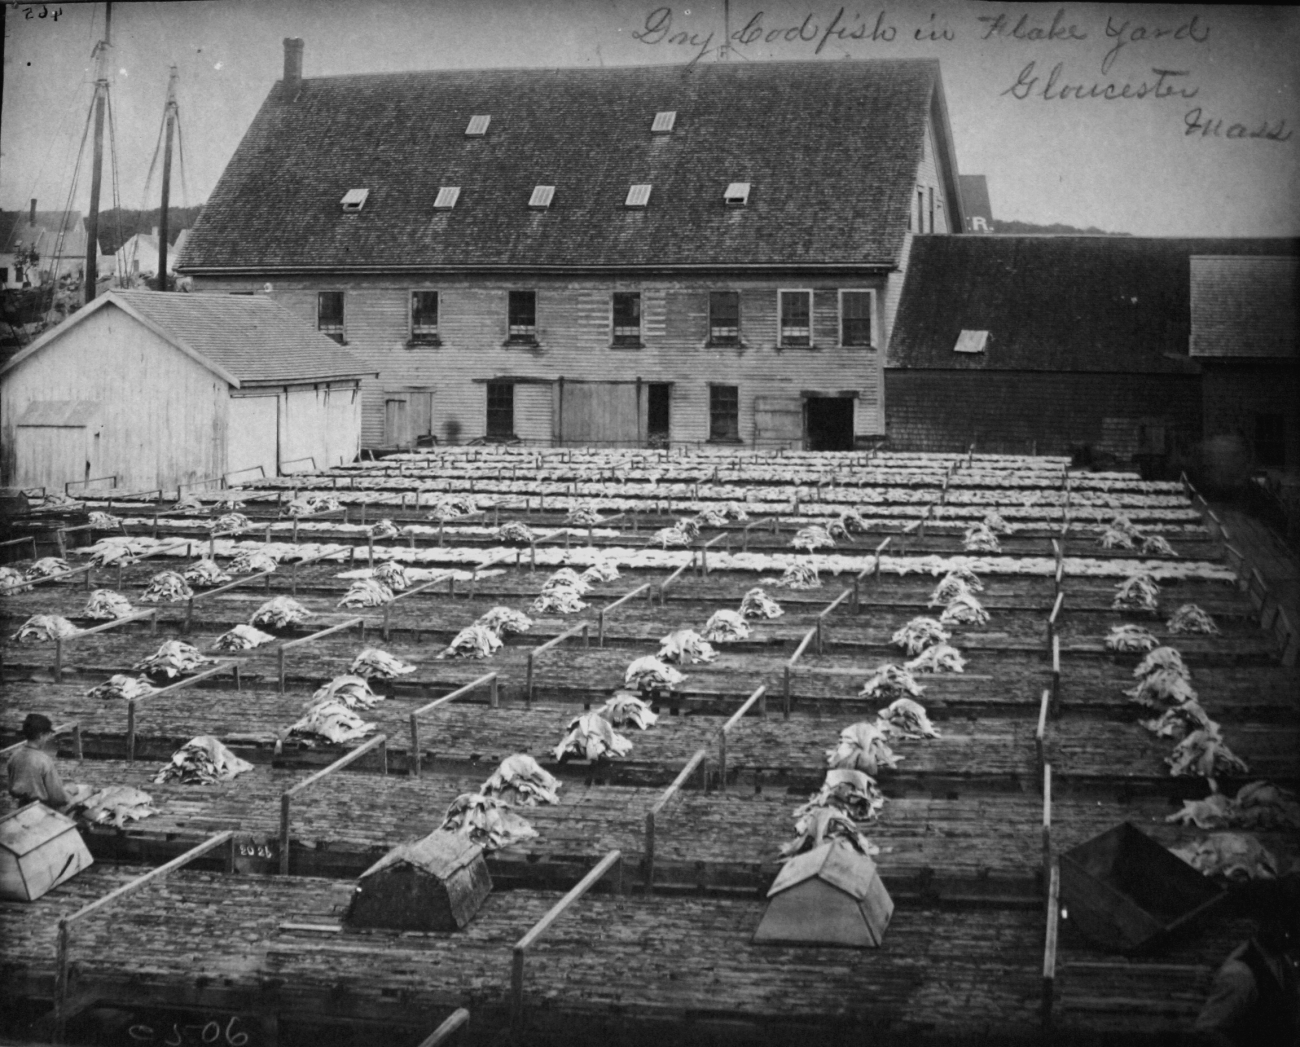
724, 412
501, 409
1270, 440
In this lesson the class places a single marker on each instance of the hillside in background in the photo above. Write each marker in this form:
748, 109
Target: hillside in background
117, 225
1010, 227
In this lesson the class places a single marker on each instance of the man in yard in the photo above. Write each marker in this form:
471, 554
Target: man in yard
1253, 1001
31, 770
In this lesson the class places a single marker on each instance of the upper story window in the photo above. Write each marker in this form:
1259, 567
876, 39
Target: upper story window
855, 317
724, 317
796, 319
329, 314
424, 317
627, 317
522, 316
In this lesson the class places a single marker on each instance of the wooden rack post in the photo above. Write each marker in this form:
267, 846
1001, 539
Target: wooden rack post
699, 759
1049, 944
280, 651
521, 947
600, 616
584, 627
1047, 821
60, 641
494, 701
798, 653
760, 696
286, 798
189, 681
1056, 674
1040, 735
65, 927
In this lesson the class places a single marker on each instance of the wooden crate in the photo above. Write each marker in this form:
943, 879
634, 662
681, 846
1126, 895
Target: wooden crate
1126, 892
831, 895
39, 849
434, 884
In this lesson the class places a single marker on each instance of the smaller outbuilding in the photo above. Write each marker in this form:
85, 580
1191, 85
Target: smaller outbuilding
158, 390
435, 884
831, 895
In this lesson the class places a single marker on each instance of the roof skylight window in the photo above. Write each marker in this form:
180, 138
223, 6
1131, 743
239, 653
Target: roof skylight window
478, 126
737, 194
663, 123
542, 196
971, 342
447, 197
354, 199
638, 196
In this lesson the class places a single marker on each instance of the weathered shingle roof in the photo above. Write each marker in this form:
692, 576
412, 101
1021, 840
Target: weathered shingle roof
1245, 307
831, 149
247, 338
1054, 303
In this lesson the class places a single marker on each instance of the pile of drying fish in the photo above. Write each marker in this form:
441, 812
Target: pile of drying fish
812, 537
504, 621
474, 641
648, 673
375, 664
487, 816
385, 528
392, 574
1126, 638
891, 681
12, 582
684, 647
331, 711
799, 575
242, 638
1234, 856
918, 634
104, 521
1164, 684
231, 523
979, 538
167, 587
757, 604
584, 515
562, 593
44, 628
205, 574
725, 627
253, 561
116, 805
591, 736
122, 687
106, 605
173, 659
1257, 805
280, 612
964, 609
45, 567
453, 507
1139, 592
202, 761
1191, 619
938, 658
367, 592
847, 799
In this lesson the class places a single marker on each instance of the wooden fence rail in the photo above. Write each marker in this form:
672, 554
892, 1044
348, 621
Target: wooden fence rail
1047, 821
489, 679
759, 696
379, 741
26, 583
207, 594
62, 1002
1056, 675
873, 571
663, 586
133, 704
1040, 734
61, 641
700, 760
520, 950
785, 675
446, 576
1053, 619
583, 627
645, 587
458, 1019
72, 726
358, 621
823, 614
1049, 944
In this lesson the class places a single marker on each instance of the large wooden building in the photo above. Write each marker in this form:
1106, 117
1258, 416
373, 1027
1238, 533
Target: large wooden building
1128, 346
158, 390
612, 256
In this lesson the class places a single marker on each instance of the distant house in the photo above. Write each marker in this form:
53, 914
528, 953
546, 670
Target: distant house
161, 389
1056, 343
625, 256
60, 241
138, 256
1244, 335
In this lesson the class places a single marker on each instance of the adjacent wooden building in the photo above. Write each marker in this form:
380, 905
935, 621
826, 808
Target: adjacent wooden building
1128, 346
158, 390
624, 256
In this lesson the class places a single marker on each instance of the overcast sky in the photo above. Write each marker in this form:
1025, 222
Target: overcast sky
1227, 75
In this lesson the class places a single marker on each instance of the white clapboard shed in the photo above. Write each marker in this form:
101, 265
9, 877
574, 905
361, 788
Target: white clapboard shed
159, 390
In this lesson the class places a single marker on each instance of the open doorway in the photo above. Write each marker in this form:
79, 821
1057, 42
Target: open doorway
657, 417
828, 423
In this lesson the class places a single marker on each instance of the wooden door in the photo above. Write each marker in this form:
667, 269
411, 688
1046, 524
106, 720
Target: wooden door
397, 432
601, 413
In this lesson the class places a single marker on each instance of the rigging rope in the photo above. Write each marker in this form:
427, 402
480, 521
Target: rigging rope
117, 200
67, 209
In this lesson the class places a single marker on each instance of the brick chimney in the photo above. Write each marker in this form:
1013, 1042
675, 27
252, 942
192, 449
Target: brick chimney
32, 218
292, 61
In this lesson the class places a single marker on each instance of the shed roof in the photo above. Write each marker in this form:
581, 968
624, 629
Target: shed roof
830, 148
66, 414
1245, 307
246, 339
1055, 303
440, 854
837, 862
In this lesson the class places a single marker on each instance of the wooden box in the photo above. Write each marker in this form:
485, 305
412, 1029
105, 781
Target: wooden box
39, 849
434, 884
1127, 893
831, 895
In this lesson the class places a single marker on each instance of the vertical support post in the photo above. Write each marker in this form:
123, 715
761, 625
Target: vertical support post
279, 663
130, 731
285, 800
1047, 822
785, 704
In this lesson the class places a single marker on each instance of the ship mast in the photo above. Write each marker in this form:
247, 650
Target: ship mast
169, 117
96, 174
